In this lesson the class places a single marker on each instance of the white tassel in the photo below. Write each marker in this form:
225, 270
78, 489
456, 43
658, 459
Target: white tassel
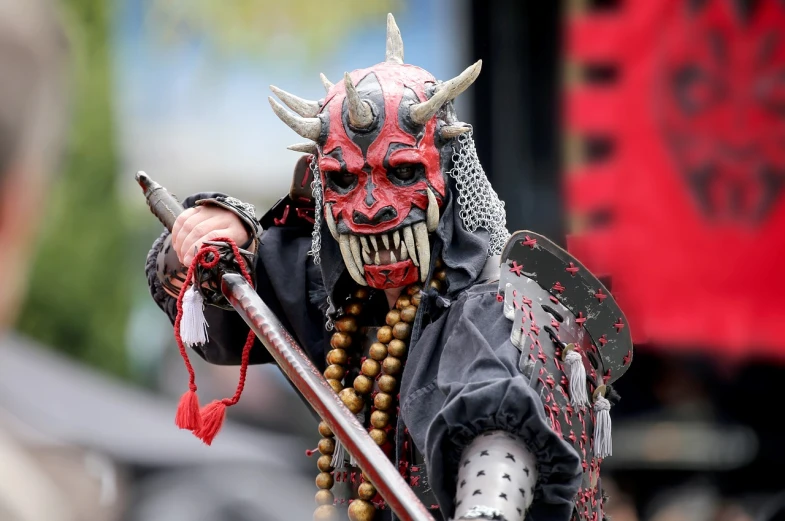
360, 418
339, 456
193, 325
603, 446
576, 372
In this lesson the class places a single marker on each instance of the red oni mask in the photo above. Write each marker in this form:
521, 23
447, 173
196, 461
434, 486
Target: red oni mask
378, 181
378, 137
722, 103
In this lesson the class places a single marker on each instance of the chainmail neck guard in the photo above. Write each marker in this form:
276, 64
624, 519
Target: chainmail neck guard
480, 206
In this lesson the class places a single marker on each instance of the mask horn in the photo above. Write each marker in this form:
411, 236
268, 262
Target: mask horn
451, 131
327, 83
306, 148
309, 128
305, 108
447, 91
394, 51
360, 113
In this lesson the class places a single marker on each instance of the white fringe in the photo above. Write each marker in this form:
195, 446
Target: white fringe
576, 372
602, 427
193, 325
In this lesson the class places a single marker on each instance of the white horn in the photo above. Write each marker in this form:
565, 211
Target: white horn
305, 148
360, 113
447, 91
394, 51
327, 83
305, 108
309, 128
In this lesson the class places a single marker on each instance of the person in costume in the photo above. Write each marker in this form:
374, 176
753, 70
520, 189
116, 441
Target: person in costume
479, 361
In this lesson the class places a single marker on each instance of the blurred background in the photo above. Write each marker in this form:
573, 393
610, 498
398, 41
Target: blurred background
646, 137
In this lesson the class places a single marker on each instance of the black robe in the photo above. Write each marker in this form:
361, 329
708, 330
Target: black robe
461, 377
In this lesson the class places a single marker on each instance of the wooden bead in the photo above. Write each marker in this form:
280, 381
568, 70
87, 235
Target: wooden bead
363, 384
324, 497
439, 263
326, 513
361, 293
337, 356
340, 340
382, 401
379, 436
334, 371
413, 290
371, 368
396, 347
335, 384
366, 478
346, 324
353, 308
387, 383
435, 284
401, 330
440, 275
324, 480
324, 463
324, 430
326, 446
378, 351
393, 317
384, 334
402, 302
380, 419
392, 365
416, 299
350, 398
366, 491
408, 313
361, 510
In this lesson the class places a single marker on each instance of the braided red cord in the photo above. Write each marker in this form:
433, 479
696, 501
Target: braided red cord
212, 415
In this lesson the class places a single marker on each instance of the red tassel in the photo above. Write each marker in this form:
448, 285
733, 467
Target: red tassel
188, 416
207, 422
213, 415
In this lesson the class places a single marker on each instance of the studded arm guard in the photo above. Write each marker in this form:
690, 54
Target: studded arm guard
496, 479
165, 273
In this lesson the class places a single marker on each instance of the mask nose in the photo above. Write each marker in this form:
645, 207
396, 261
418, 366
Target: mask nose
388, 213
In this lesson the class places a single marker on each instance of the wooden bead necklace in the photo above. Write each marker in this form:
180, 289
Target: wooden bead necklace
384, 365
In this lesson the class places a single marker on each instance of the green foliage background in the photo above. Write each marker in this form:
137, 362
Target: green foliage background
78, 296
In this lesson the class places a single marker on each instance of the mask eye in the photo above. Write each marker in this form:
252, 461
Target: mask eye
341, 179
405, 173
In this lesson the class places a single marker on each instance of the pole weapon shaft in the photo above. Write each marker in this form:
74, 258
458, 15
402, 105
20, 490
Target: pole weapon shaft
296, 365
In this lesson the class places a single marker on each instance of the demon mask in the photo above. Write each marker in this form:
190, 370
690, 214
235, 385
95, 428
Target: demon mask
377, 137
722, 104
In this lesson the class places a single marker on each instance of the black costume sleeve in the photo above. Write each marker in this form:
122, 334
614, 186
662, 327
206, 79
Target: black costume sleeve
474, 387
285, 275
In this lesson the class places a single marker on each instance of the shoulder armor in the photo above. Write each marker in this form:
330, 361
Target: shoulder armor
297, 208
530, 259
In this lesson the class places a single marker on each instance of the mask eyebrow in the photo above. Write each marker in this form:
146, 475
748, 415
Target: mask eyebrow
404, 155
329, 163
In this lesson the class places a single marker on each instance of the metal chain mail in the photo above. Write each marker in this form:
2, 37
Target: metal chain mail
316, 190
480, 206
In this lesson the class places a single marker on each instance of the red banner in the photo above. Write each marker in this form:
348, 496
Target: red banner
682, 172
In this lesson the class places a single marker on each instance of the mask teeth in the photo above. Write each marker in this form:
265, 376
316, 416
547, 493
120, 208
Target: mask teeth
409, 242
